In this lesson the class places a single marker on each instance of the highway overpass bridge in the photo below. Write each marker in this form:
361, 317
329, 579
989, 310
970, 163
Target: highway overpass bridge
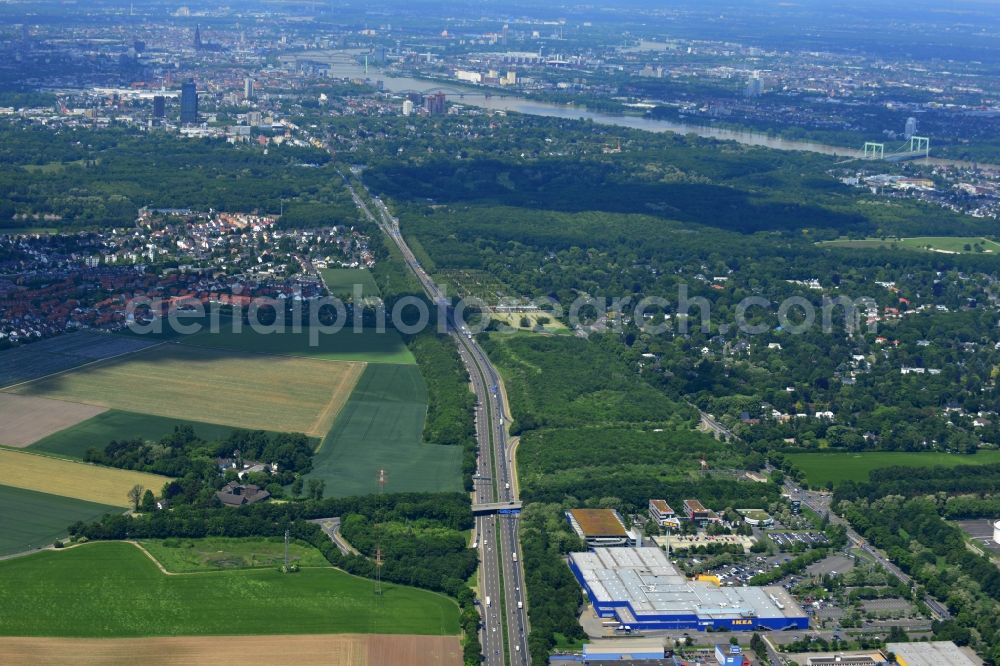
496, 507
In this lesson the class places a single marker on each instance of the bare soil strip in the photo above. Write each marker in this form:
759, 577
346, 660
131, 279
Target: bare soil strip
307, 650
28, 419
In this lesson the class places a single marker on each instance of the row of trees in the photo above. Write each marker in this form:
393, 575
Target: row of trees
911, 482
450, 402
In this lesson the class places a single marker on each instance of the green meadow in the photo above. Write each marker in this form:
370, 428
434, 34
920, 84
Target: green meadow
341, 282
821, 468
112, 589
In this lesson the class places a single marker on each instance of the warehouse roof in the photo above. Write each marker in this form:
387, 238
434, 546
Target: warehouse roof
646, 579
936, 653
599, 522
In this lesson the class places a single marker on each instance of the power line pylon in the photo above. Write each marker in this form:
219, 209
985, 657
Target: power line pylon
378, 533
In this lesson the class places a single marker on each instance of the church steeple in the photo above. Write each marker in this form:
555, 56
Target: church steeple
197, 37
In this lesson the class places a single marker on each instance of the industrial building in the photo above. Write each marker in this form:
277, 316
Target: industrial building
601, 527
847, 660
622, 652
730, 655
935, 653
642, 590
620, 649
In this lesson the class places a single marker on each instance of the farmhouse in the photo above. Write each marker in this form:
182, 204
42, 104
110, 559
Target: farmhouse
235, 494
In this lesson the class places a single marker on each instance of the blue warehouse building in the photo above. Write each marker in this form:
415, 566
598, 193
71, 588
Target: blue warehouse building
641, 589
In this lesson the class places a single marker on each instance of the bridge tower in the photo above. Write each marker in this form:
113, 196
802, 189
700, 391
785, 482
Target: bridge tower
920, 144
874, 151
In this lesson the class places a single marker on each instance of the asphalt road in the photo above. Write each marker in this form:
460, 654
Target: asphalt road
505, 626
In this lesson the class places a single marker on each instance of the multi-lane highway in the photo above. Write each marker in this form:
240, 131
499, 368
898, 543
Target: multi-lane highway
501, 582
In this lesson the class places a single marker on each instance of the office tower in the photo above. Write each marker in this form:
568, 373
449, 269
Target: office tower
407, 107
911, 127
189, 103
159, 106
434, 104
248, 88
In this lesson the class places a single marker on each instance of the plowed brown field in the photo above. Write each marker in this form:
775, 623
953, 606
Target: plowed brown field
325, 650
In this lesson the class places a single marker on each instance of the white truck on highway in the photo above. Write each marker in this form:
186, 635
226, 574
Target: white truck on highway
487, 602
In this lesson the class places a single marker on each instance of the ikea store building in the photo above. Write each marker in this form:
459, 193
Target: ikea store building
641, 589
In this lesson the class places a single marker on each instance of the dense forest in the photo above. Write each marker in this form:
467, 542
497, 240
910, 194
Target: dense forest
928, 307
100, 178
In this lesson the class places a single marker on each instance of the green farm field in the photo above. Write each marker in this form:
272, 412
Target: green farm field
341, 281
96, 432
113, 589
220, 553
344, 345
949, 244
821, 468
381, 427
32, 519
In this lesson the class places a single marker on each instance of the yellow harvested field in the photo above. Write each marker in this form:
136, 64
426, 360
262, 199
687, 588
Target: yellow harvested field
104, 485
27, 419
244, 390
308, 650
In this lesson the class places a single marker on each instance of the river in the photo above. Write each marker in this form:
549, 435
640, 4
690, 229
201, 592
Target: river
344, 66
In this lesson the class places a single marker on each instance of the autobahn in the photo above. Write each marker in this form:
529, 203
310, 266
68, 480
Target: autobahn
501, 581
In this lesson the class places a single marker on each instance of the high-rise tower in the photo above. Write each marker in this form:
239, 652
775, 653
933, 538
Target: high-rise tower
189, 102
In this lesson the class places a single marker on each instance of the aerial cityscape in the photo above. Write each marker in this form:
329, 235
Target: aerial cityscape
500, 333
